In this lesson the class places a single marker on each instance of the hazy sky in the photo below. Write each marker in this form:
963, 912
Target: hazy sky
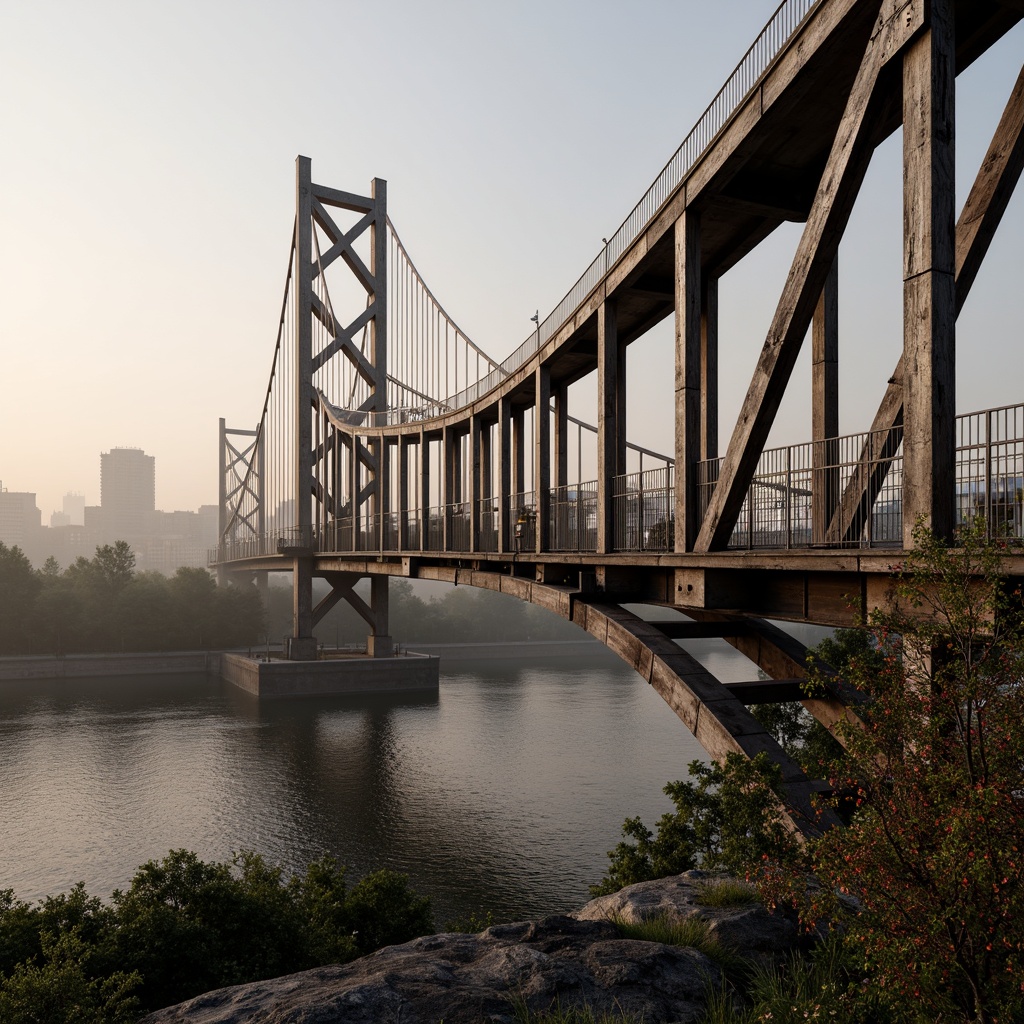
147, 196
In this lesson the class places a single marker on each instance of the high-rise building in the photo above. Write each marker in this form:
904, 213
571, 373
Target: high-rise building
20, 520
127, 492
74, 509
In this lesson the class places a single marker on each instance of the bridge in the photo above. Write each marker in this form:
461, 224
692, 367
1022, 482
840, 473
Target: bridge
391, 444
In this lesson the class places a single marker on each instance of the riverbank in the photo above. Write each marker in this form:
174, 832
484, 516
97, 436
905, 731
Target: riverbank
84, 666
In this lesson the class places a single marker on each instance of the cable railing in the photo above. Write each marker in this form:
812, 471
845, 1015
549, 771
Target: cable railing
774, 37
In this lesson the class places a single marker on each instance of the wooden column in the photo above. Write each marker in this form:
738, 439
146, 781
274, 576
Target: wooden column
560, 392
403, 493
383, 487
542, 455
475, 436
825, 406
449, 460
607, 428
709, 368
518, 450
504, 473
929, 283
424, 484
303, 645
688, 439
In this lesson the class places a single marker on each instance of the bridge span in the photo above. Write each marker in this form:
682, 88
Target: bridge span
391, 444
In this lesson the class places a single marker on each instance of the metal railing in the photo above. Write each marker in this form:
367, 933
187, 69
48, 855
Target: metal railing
858, 481
487, 528
458, 513
521, 515
434, 529
643, 510
841, 492
572, 517
990, 470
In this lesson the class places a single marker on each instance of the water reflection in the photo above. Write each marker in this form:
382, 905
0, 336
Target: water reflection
502, 792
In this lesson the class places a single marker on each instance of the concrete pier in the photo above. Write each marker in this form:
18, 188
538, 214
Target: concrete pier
358, 675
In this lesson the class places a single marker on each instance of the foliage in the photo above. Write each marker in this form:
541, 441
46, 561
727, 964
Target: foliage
61, 988
103, 604
823, 986
927, 879
726, 819
185, 926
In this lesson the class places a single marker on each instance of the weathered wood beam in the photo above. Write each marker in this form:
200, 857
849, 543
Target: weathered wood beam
983, 211
844, 172
345, 200
929, 278
542, 454
825, 405
688, 378
607, 413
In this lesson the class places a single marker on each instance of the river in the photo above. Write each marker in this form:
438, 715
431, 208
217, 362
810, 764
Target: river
502, 793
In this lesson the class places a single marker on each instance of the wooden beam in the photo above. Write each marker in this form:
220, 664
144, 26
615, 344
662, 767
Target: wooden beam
837, 191
983, 211
607, 432
709, 367
929, 278
688, 366
825, 405
542, 454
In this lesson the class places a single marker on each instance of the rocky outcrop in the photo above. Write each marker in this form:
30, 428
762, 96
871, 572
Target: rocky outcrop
749, 930
564, 961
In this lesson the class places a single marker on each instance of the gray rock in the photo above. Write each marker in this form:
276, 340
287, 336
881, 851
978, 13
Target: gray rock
751, 931
558, 961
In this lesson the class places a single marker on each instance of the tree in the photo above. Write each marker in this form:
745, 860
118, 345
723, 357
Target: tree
927, 879
727, 819
19, 586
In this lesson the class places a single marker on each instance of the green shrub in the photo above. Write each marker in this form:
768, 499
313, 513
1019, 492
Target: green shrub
185, 926
727, 819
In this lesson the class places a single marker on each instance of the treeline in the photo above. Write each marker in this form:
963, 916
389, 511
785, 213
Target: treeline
460, 615
103, 604
185, 926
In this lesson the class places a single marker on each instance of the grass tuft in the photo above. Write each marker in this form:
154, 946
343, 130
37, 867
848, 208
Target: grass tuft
726, 892
691, 932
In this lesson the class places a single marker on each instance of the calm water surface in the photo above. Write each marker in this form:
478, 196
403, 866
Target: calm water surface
502, 793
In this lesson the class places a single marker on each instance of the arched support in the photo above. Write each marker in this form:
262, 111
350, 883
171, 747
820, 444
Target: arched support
718, 719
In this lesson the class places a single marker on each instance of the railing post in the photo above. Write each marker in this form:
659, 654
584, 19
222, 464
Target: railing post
989, 507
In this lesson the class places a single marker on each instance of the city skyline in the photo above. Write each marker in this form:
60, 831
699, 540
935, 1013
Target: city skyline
512, 141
